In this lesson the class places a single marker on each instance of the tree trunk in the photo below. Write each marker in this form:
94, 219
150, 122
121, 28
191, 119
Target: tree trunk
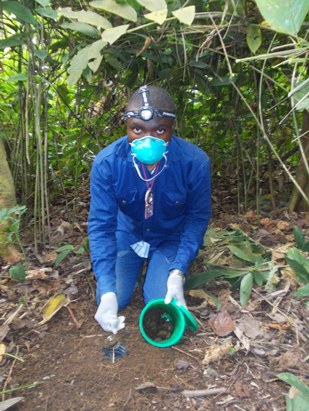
297, 202
8, 252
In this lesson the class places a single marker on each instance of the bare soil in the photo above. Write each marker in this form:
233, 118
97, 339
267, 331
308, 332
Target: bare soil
74, 375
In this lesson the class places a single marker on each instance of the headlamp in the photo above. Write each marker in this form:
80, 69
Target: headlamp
147, 112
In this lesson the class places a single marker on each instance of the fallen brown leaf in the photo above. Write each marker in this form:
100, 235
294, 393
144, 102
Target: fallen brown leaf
242, 389
289, 359
222, 323
282, 225
277, 326
250, 326
216, 352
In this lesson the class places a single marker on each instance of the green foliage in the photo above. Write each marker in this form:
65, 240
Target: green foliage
68, 86
300, 240
286, 19
254, 37
64, 250
11, 219
21, 12
250, 256
17, 272
300, 401
245, 289
300, 95
299, 263
302, 291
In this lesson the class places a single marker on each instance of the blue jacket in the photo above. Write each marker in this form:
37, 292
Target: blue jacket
182, 206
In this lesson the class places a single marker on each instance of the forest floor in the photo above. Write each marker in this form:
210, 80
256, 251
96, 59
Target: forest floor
230, 363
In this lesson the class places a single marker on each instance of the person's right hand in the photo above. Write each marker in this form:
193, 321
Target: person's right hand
106, 314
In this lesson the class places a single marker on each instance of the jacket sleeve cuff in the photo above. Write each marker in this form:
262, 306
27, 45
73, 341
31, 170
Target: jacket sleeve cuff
102, 288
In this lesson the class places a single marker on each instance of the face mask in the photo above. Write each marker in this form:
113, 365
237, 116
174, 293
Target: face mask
149, 150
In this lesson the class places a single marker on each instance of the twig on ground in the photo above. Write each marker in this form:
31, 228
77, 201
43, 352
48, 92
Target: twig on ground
204, 393
186, 353
128, 399
76, 322
9, 376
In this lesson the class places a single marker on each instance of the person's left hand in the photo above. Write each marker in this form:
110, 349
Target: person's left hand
175, 284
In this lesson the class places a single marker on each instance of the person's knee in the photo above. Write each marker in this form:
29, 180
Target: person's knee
123, 303
153, 293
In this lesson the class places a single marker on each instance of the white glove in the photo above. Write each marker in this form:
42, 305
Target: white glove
175, 284
106, 314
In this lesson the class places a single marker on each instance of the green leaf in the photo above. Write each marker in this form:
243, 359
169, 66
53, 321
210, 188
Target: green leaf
245, 289
41, 53
17, 77
3, 214
223, 81
158, 16
64, 247
302, 292
200, 279
305, 247
299, 402
78, 63
213, 272
17, 272
113, 61
300, 96
284, 16
299, 264
11, 41
123, 10
61, 257
244, 252
94, 54
81, 28
254, 37
21, 12
199, 64
43, 3
47, 12
299, 236
113, 34
294, 381
259, 278
64, 93
153, 5
185, 15
81, 250
89, 17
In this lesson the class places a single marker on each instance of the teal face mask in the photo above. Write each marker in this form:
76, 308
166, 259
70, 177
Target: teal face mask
148, 149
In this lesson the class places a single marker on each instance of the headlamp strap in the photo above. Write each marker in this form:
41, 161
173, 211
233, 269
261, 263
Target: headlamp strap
147, 112
145, 95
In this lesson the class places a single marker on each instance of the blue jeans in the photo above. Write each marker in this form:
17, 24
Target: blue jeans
128, 270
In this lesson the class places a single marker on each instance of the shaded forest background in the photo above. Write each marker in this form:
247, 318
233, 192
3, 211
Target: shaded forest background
237, 69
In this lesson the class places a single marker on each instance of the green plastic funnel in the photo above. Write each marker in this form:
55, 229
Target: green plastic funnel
163, 325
